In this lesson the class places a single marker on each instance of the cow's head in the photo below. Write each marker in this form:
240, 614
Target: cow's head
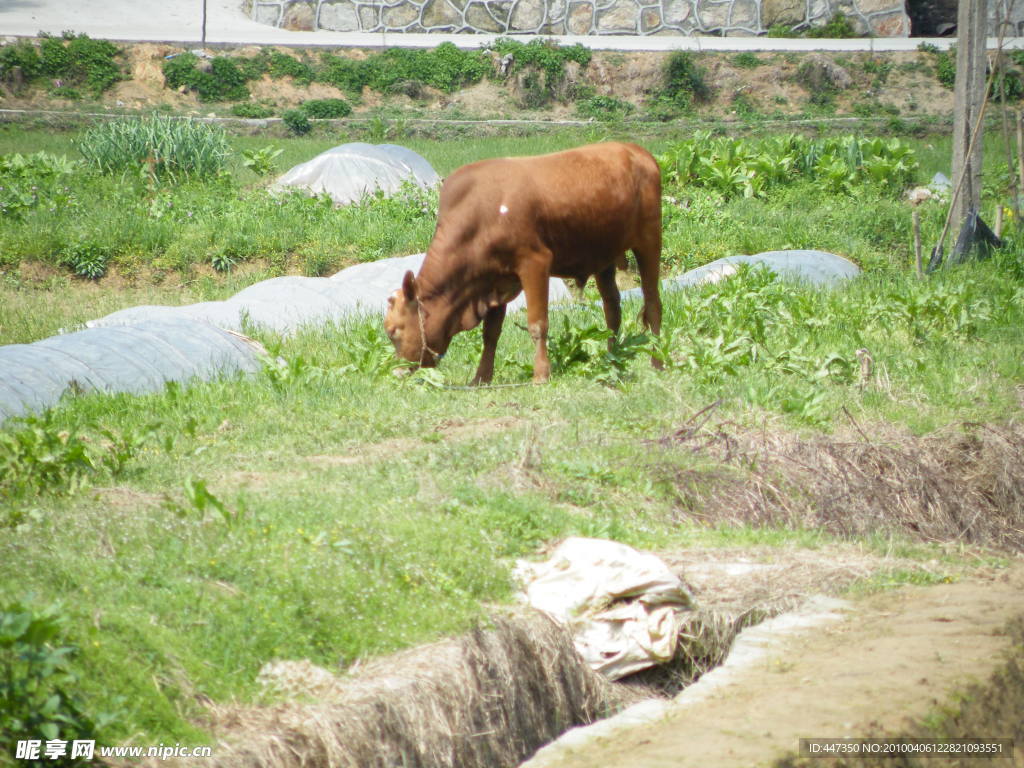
406, 323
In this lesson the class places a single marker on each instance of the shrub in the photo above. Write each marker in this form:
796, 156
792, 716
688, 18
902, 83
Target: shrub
1007, 86
168, 146
945, 63
297, 122
75, 61
446, 68
543, 54
684, 80
283, 65
326, 108
223, 81
251, 110
22, 55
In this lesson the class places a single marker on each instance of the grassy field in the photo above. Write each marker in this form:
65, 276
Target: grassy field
326, 510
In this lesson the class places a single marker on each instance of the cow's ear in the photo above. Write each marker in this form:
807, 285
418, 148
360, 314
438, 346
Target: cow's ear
409, 287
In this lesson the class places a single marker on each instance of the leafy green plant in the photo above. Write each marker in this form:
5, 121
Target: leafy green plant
543, 54
72, 61
200, 500
746, 60
261, 161
585, 350
839, 26
326, 108
880, 70
781, 30
166, 146
297, 121
945, 62
282, 65
221, 80
39, 457
445, 67
684, 80
86, 258
24, 57
738, 167
251, 110
36, 683
28, 181
603, 108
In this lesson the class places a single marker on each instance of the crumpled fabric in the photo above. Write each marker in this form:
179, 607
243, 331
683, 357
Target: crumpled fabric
623, 607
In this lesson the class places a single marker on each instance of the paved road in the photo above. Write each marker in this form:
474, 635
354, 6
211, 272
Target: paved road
181, 21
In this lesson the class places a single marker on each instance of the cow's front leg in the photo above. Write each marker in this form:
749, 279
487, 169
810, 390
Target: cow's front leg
611, 301
493, 320
534, 278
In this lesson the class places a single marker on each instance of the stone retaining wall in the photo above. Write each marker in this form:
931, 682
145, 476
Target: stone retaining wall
882, 18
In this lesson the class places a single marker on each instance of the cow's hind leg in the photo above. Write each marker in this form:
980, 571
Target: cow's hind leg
493, 320
648, 261
611, 301
534, 273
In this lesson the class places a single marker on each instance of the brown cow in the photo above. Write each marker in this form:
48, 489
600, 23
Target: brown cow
508, 224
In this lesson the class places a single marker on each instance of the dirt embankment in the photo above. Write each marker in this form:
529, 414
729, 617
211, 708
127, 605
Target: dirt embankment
934, 662
741, 85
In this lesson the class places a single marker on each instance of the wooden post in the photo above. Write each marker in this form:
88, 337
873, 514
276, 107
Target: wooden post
204, 25
968, 102
1020, 164
916, 245
997, 227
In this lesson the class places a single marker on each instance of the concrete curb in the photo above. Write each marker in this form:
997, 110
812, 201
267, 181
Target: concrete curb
751, 646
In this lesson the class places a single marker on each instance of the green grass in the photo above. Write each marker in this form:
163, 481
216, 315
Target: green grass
139, 222
362, 514
325, 509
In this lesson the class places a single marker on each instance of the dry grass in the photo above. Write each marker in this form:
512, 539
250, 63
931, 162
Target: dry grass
489, 699
962, 484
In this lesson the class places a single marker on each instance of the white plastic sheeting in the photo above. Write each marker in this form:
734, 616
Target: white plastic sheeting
138, 358
351, 171
624, 607
284, 304
816, 268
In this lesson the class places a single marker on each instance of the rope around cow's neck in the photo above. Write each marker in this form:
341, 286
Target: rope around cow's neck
423, 336
437, 356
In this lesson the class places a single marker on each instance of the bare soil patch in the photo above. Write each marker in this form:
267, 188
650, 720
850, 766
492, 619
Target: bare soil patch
447, 430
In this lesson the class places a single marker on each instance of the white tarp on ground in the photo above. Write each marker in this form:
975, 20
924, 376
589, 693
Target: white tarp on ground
284, 304
138, 358
351, 171
624, 607
816, 268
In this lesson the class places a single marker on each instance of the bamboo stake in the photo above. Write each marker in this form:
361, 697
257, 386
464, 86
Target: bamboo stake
917, 245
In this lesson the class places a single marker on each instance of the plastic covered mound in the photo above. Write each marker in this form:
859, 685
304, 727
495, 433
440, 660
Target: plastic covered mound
351, 171
816, 268
284, 304
138, 358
